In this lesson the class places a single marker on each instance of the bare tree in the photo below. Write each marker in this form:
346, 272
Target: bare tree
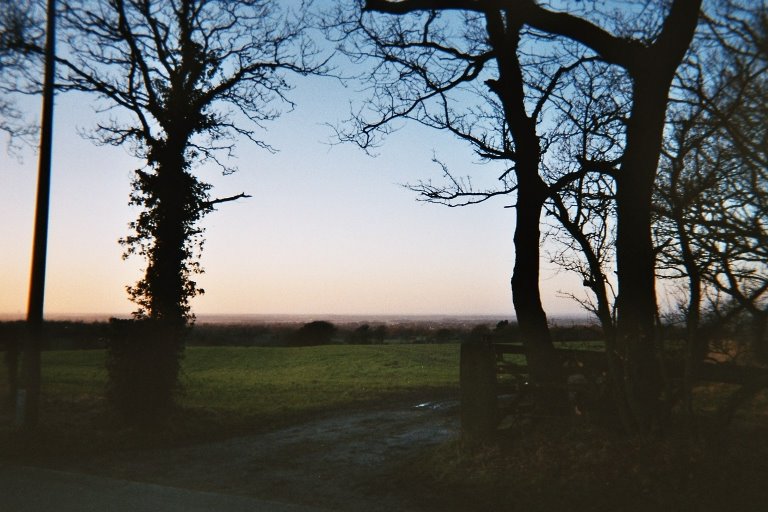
192, 75
590, 119
713, 191
710, 196
20, 31
182, 80
681, 182
737, 227
650, 61
476, 76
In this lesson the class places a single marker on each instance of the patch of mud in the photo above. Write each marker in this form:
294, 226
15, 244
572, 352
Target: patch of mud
345, 462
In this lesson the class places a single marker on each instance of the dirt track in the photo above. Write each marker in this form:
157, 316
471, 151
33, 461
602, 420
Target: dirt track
343, 462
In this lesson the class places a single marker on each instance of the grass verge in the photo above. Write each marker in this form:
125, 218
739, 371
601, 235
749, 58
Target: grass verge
229, 391
539, 464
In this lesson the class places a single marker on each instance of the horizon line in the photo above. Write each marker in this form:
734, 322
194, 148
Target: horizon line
213, 318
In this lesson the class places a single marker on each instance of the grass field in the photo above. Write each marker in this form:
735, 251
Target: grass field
234, 390
536, 464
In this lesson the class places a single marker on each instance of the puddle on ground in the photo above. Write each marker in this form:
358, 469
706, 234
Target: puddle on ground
436, 406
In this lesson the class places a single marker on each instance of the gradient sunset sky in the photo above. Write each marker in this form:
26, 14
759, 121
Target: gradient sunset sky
329, 229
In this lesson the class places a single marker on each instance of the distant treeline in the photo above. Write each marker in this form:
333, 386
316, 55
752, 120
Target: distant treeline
68, 335
79, 335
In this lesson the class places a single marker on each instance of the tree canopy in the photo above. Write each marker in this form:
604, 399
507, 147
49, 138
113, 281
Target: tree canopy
192, 76
20, 29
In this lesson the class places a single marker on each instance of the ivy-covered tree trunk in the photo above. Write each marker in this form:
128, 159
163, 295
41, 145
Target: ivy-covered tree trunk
166, 273
172, 66
166, 288
166, 232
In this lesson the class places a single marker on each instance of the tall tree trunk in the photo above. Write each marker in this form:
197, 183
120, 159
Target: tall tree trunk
652, 70
534, 329
545, 369
167, 278
635, 255
544, 363
695, 343
603, 311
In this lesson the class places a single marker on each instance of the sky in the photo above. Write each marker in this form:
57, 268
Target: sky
328, 229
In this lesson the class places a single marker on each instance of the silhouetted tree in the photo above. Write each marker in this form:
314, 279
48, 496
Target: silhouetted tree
590, 125
735, 227
12, 29
681, 183
650, 61
20, 33
361, 335
711, 201
651, 65
379, 334
590, 121
318, 332
470, 75
185, 79
192, 75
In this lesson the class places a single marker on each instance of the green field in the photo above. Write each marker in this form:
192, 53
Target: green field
540, 465
234, 390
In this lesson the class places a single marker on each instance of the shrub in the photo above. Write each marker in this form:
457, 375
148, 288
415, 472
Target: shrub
143, 363
318, 332
362, 335
506, 332
379, 334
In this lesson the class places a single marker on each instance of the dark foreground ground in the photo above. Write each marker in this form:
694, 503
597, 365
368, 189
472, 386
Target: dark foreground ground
346, 462
30, 489
408, 458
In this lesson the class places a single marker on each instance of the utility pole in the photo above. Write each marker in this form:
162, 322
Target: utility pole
28, 399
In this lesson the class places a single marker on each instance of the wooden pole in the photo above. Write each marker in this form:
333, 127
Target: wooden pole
28, 400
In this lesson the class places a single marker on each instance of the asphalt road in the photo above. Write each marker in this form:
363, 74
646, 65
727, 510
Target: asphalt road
26, 489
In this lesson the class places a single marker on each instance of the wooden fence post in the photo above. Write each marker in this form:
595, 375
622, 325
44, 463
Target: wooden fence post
477, 378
